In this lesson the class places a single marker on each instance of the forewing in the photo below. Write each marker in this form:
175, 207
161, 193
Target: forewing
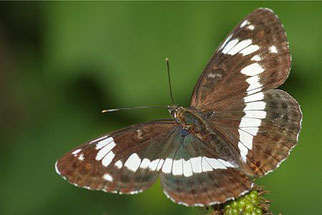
194, 175
254, 57
125, 161
263, 127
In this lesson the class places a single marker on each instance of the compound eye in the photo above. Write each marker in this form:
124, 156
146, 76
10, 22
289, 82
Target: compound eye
174, 113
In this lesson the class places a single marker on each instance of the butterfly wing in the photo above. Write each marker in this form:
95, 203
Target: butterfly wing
264, 128
195, 175
254, 57
125, 161
235, 91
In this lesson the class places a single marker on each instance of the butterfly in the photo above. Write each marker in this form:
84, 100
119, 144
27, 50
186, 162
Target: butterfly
237, 128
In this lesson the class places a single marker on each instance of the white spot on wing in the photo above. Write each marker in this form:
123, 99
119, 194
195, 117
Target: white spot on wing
255, 114
196, 164
239, 46
81, 157
76, 152
256, 58
225, 163
253, 83
252, 131
243, 151
139, 133
272, 49
213, 75
154, 164
215, 163
145, 163
107, 177
249, 122
244, 23
108, 159
260, 105
253, 80
250, 92
230, 45
103, 151
205, 165
167, 166
160, 164
252, 69
246, 139
133, 162
103, 143
119, 164
187, 169
177, 168
255, 97
251, 27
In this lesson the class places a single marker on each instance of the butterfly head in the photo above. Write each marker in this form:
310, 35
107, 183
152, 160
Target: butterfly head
180, 114
173, 110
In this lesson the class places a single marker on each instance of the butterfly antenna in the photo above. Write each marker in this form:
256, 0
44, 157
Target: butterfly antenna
146, 107
132, 108
169, 79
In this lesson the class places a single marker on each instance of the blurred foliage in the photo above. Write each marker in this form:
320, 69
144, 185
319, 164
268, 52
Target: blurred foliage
62, 62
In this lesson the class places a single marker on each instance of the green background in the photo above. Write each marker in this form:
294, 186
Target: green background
62, 63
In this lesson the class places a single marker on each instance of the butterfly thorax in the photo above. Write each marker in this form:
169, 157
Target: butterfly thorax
189, 119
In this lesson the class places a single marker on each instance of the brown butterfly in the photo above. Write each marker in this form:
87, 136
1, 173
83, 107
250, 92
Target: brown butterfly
237, 128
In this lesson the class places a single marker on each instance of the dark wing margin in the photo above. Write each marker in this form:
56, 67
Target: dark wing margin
125, 161
254, 57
